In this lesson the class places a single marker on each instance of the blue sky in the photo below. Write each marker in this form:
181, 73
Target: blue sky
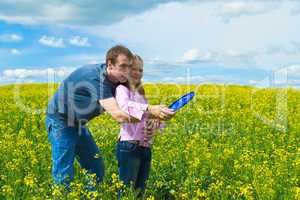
193, 41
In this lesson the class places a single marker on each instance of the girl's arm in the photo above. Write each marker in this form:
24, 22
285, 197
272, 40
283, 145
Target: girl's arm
132, 108
137, 109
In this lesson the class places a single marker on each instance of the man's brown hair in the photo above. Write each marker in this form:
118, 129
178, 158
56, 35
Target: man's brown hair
113, 53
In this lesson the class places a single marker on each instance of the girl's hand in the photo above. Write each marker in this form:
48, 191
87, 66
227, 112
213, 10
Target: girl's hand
161, 111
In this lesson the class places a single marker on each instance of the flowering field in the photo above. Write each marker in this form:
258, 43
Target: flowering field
231, 142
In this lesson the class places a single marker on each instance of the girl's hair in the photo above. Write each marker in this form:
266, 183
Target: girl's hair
139, 86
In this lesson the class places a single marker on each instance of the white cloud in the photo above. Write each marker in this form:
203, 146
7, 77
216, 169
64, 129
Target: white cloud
281, 77
36, 13
289, 71
291, 48
22, 73
72, 13
296, 8
236, 9
59, 42
10, 38
79, 41
229, 58
52, 41
237, 58
194, 56
226, 58
198, 26
93, 62
15, 52
294, 69
161, 62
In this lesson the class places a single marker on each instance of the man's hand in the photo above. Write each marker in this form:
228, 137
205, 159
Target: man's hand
111, 106
150, 128
161, 111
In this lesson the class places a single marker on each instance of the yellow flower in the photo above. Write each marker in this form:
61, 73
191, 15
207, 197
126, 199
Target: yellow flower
200, 193
246, 191
7, 189
56, 192
296, 191
150, 198
159, 184
184, 196
30, 180
114, 177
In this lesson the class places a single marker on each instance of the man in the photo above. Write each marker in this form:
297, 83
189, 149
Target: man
83, 95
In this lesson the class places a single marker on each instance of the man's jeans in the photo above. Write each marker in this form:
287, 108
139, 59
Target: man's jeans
68, 142
134, 164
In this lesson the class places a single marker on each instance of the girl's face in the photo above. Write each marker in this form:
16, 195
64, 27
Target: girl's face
136, 72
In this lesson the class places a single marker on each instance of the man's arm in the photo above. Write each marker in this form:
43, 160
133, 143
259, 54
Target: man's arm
110, 105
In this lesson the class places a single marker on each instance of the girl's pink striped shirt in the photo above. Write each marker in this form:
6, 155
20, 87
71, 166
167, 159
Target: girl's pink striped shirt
134, 104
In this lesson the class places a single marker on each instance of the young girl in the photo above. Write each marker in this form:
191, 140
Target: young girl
134, 144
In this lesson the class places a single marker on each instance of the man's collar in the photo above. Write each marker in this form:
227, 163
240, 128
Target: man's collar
103, 67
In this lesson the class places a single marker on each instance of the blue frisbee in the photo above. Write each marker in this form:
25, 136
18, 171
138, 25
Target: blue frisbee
179, 103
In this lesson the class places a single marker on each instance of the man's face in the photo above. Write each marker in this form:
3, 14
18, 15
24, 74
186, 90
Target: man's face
120, 70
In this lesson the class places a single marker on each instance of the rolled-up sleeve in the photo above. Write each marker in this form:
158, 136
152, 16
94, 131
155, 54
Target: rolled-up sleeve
132, 108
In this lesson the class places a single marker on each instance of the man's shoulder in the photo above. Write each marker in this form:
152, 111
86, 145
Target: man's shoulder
93, 71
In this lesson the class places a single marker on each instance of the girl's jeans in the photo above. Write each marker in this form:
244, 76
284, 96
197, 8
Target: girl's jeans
134, 163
